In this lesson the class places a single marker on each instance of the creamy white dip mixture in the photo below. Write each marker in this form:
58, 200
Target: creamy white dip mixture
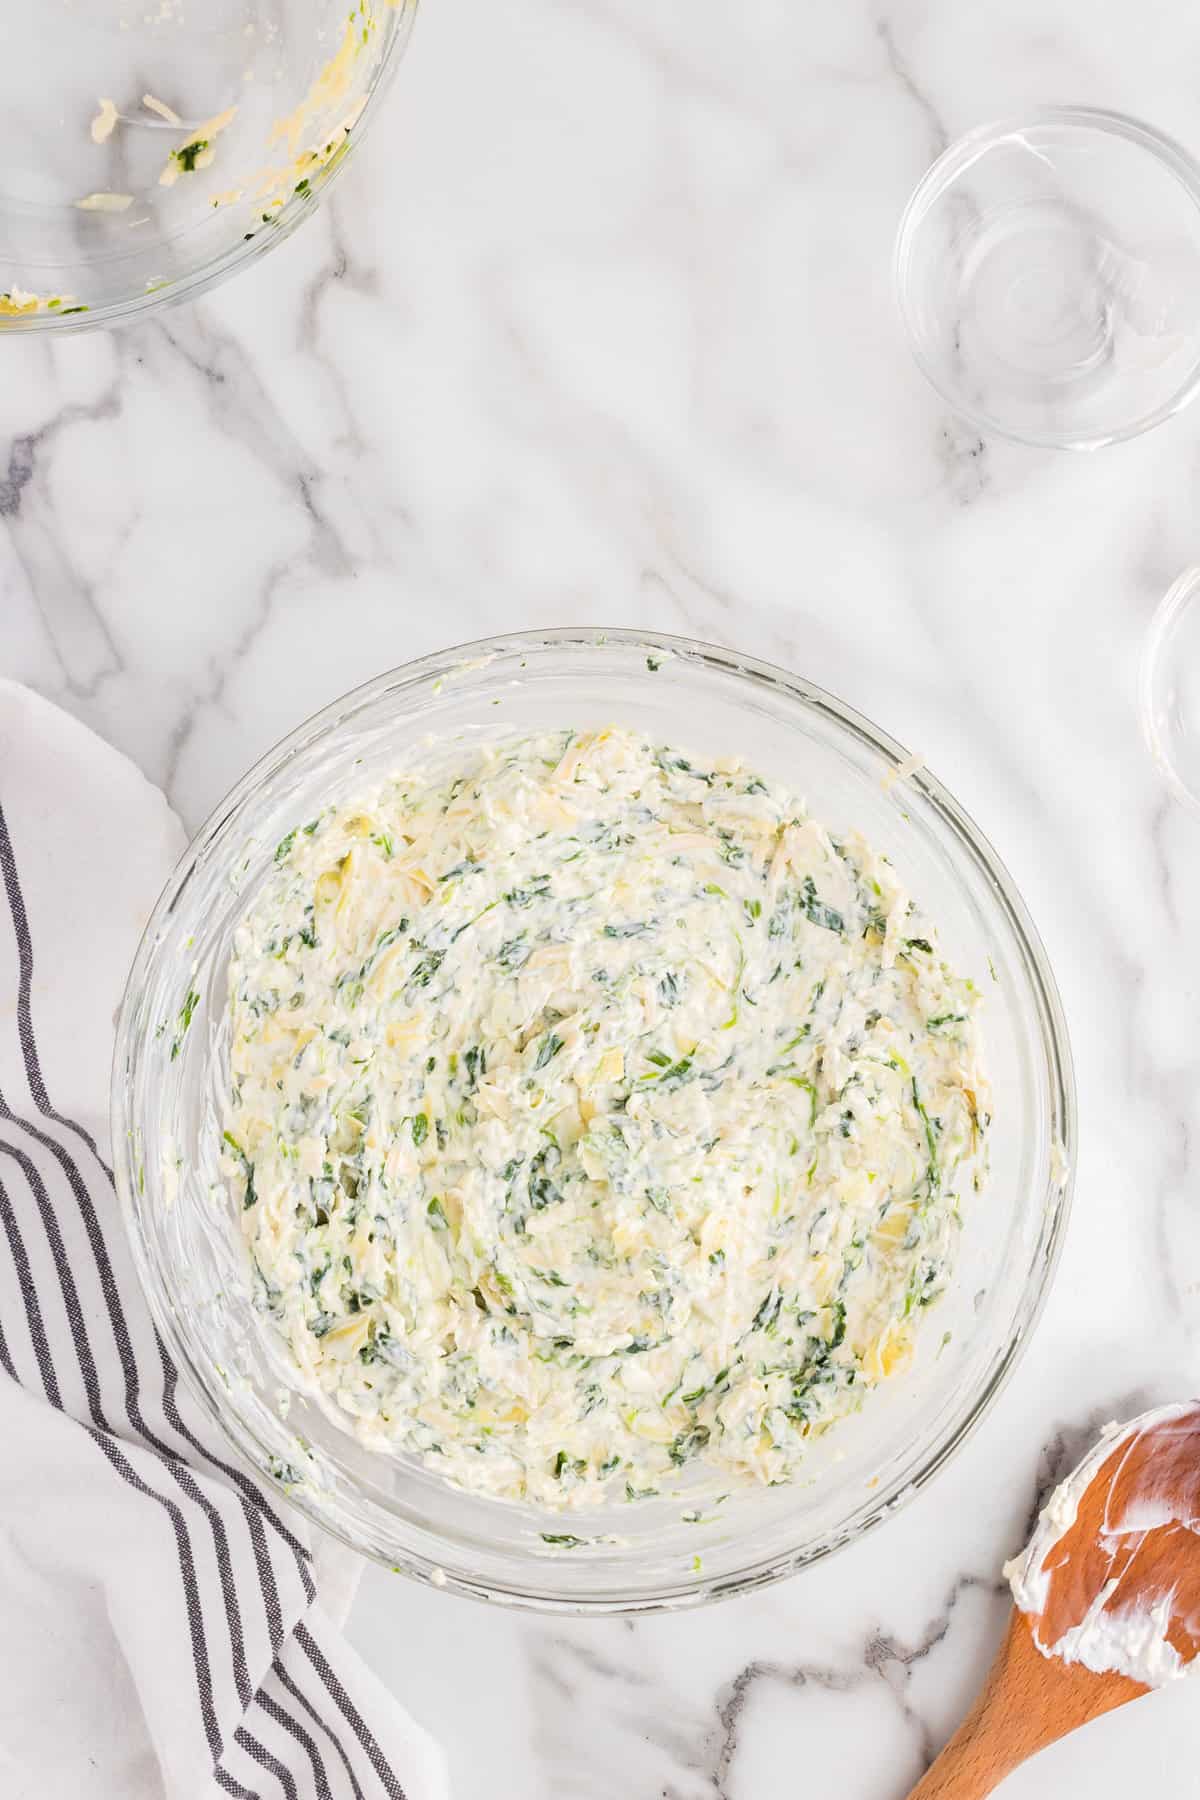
595, 1113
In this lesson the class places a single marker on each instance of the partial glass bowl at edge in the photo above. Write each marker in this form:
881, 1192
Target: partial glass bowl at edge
146, 155
168, 1087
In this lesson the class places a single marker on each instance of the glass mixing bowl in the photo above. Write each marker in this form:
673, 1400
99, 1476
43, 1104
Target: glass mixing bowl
148, 151
169, 1079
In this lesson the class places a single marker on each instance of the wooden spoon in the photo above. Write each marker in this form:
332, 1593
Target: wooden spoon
1108, 1603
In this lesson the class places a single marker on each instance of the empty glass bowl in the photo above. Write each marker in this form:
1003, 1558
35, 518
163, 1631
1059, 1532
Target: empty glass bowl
171, 1072
1048, 273
148, 148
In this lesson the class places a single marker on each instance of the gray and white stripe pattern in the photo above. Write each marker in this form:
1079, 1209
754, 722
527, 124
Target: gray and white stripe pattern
245, 1685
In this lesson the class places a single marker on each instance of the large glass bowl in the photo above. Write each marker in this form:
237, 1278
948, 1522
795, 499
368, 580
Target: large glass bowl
148, 151
169, 1079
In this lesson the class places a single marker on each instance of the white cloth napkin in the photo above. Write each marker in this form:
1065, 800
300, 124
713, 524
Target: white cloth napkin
167, 1628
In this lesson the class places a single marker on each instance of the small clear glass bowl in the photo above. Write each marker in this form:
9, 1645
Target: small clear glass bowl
147, 152
169, 1083
1048, 273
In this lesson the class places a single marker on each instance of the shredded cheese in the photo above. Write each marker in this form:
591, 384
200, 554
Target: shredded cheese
162, 109
104, 123
196, 151
105, 203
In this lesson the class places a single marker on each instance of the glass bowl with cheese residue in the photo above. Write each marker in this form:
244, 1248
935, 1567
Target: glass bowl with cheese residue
148, 151
187, 1179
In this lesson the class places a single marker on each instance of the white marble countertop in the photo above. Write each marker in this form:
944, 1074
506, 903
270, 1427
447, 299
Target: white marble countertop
599, 328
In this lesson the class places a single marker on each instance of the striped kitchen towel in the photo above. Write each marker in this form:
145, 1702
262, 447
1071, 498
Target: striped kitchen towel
167, 1628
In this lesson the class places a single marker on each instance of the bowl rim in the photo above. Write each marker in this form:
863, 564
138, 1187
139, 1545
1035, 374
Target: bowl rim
946, 167
675, 1594
249, 249
1179, 598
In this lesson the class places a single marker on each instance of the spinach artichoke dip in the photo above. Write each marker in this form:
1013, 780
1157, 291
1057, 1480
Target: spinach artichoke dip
595, 1115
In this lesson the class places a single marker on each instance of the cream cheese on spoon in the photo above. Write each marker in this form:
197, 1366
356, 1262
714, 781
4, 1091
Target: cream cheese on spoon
1094, 1597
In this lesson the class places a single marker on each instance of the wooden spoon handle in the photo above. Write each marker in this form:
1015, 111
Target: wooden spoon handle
987, 1745
1027, 1702
959, 1774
